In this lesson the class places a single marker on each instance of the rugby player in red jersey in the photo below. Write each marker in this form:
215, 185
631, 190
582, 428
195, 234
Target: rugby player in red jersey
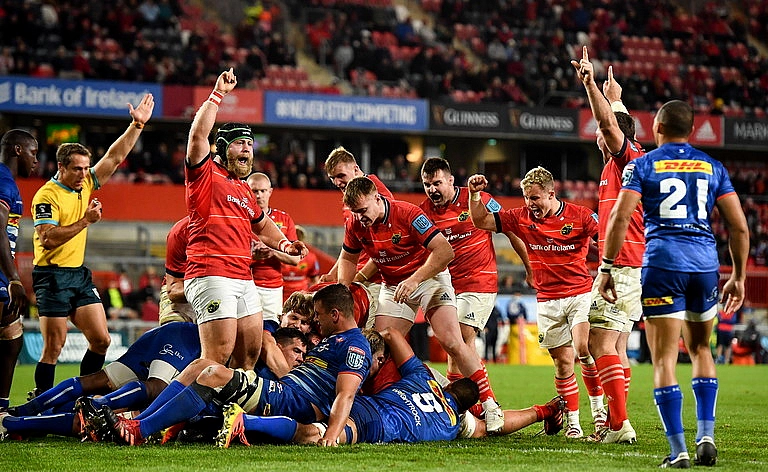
223, 215
473, 268
173, 304
412, 256
558, 236
342, 167
611, 323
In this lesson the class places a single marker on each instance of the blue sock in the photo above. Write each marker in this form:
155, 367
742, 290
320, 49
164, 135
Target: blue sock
669, 403
60, 424
182, 407
4, 402
173, 389
278, 427
131, 395
705, 393
66, 391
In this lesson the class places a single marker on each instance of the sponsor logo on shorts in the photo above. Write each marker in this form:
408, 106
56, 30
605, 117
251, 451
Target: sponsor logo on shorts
470, 316
355, 357
464, 216
445, 297
657, 301
213, 305
541, 337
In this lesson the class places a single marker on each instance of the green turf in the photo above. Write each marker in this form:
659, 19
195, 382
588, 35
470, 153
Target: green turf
741, 434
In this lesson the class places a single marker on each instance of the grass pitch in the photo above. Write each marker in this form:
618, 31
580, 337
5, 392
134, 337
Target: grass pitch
741, 435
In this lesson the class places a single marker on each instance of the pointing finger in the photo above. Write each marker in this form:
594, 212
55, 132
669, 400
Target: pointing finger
585, 54
610, 73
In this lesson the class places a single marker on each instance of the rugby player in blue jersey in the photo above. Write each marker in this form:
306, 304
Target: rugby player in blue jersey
322, 388
679, 186
413, 409
132, 381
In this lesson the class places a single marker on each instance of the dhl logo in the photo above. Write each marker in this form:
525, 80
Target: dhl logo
683, 165
659, 301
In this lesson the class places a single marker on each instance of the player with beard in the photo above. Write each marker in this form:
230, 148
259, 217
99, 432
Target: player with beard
223, 215
473, 268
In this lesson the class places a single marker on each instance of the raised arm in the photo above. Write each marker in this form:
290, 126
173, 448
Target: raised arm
601, 107
119, 150
198, 146
480, 215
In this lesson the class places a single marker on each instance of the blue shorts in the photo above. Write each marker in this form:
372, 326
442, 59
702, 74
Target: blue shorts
370, 428
176, 343
278, 399
679, 294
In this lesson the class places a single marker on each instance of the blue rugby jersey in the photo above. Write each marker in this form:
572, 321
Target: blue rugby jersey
679, 185
315, 378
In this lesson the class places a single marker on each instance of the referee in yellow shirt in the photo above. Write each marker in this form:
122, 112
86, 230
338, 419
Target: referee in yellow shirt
62, 210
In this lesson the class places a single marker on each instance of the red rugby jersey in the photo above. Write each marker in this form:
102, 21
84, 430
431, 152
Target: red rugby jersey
631, 253
397, 244
268, 273
383, 191
296, 278
176, 248
557, 247
222, 209
473, 268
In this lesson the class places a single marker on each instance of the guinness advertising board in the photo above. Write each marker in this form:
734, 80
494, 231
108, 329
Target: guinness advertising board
468, 117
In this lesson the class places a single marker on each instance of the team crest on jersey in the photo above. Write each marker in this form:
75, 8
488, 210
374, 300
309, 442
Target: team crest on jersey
213, 305
626, 176
566, 229
396, 238
279, 224
355, 357
464, 216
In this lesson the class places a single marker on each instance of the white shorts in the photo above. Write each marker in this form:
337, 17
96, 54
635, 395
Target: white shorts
271, 303
556, 318
218, 298
475, 308
373, 289
628, 308
431, 293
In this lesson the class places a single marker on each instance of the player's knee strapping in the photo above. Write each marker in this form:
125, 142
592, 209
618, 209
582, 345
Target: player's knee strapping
12, 330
